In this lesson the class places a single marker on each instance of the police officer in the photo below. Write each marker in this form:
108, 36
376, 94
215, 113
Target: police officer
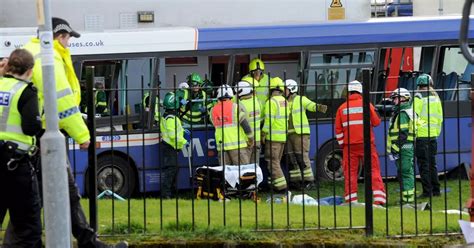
19, 191
251, 105
274, 132
427, 105
258, 79
233, 132
301, 173
400, 141
172, 142
350, 136
70, 118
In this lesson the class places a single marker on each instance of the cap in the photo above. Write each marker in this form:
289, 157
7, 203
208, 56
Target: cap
62, 25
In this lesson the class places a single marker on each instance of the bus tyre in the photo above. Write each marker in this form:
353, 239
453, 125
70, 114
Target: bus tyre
329, 162
114, 174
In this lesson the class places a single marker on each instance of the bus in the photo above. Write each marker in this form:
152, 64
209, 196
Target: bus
322, 57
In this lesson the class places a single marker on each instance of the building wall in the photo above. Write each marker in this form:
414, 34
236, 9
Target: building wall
107, 14
431, 7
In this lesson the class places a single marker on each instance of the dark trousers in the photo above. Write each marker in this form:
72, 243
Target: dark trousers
426, 150
169, 169
19, 195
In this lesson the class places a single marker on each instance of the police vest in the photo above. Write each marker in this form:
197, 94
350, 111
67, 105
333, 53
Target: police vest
10, 118
225, 117
172, 132
430, 110
251, 106
276, 119
298, 107
70, 118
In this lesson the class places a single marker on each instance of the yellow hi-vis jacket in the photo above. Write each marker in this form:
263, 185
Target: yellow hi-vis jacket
70, 118
430, 110
172, 131
261, 88
251, 107
276, 119
298, 106
10, 121
226, 117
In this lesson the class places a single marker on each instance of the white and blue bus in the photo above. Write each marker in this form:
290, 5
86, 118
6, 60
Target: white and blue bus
322, 57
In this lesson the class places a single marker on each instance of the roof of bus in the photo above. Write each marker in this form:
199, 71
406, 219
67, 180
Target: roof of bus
380, 30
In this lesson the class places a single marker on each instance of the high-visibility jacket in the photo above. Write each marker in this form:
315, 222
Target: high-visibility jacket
298, 106
65, 54
10, 121
196, 108
101, 101
70, 118
349, 123
172, 131
430, 110
402, 128
146, 104
261, 87
251, 106
276, 119
226, 117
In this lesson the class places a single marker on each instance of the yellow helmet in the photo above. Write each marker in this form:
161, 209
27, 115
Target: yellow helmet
256, 64
277, 84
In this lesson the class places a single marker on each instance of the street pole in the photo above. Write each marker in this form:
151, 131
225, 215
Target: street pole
53, 152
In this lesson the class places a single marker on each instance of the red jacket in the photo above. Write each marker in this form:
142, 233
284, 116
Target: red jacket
349, 121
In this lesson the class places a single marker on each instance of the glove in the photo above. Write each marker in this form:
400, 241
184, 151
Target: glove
393, 157
250, 143
187, 135
322, 108
186, 131
183, 102
203, 110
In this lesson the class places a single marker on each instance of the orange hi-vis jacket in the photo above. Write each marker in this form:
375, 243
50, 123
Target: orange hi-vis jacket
349, 122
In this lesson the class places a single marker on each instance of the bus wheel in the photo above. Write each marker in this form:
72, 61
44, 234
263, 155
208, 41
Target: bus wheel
329, 162
115, 174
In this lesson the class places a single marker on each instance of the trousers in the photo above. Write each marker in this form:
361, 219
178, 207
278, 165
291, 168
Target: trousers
298, 153
426, 150
273, 154
169, 169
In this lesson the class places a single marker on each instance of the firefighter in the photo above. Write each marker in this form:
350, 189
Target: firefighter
172, 142
70, 118
350, 136
233, 132
195, 111
251, 106
274, 132
100, 99
258, 79
19, 124
400, 141
429, 109
301, 173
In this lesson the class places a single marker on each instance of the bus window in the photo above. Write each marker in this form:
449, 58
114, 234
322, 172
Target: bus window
454, 71
328, 74
399, 67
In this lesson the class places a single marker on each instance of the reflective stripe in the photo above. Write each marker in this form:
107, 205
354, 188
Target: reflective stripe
380, 199
339, 135
6, 109
277, 132
241, 143
430, 115
353, 195
379, 192
395, 147
353, 110
278, 117
68, 112
63, 93
350, 123
279, 182
340, 142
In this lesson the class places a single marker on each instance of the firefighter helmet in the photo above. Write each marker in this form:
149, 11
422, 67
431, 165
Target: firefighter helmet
256, 64
244, 88
355, 86
224, 91
291, 85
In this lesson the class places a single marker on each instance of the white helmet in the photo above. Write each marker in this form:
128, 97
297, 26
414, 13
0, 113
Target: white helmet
183, 85
224, 91
291, 85
355, 86
244, 88
401, 92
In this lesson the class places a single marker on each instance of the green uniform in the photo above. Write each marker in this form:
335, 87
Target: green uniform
196, 109
400, 143
100, 102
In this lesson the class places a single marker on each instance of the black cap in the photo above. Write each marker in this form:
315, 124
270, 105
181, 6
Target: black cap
62, 25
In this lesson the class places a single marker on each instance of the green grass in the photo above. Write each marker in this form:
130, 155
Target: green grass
187, 216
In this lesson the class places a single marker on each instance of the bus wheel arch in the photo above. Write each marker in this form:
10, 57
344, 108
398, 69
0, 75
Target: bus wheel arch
116, 168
